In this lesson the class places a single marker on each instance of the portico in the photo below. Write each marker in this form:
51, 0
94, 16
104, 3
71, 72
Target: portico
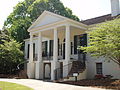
62, 31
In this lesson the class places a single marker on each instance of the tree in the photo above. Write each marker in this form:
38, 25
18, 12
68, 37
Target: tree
4, 35
105, 41
10, 54
28, 11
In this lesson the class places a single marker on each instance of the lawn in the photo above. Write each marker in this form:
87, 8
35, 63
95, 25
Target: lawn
12, 86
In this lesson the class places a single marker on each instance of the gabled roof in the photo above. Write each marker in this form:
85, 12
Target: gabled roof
97, 20
48, 17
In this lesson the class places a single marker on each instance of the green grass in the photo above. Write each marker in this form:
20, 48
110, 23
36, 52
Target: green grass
12, 86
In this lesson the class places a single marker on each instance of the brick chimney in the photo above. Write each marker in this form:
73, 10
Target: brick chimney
115, 9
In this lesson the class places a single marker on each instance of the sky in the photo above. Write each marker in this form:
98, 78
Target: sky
84, 9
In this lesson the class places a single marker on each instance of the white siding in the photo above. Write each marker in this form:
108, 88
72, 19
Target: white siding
108, 67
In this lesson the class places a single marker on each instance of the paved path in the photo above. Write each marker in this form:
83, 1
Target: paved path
41, 85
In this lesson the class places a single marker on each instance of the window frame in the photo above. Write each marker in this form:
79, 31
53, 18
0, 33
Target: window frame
99, 69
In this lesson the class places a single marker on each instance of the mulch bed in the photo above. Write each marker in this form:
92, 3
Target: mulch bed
100, 83
7, 76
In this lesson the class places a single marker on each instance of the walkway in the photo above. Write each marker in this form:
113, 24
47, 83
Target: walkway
41, 85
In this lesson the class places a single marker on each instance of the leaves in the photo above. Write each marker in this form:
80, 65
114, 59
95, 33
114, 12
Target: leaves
27, 11
10, 54
105, 40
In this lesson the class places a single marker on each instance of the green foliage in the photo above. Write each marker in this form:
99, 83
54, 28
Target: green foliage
105, 40
3, 36
28, 11
10, 56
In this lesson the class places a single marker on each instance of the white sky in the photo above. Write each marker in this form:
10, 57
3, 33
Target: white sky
84, 9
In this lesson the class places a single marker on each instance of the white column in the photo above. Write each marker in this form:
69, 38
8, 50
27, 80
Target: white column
31, 48
67, 51
31, 65
39, 47
67, 44
38, 74
55, 49
55, 54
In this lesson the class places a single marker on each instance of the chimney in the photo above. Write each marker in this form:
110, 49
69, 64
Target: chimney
115, 9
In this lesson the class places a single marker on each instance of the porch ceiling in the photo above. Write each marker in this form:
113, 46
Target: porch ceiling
61, 32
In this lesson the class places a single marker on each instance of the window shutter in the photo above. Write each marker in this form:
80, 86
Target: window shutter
58, 46
75, 44
71, 48
51, 48
61, 50
83, 40
28, 49
33, 50
46, 43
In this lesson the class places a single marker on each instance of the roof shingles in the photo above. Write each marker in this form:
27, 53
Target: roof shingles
100, 19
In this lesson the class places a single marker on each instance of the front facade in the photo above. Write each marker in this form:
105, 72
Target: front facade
52, 51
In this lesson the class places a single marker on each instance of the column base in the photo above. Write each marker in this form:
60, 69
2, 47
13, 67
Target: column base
54, 65
66, 63
39, 70
31, 70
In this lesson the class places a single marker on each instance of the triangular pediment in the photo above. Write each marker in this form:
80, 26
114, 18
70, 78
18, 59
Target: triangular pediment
46, 18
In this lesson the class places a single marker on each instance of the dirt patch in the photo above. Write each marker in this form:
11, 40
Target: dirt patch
101, 83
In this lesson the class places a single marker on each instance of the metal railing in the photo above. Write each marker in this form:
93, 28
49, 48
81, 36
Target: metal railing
68, 70
35, 58
47, 56
63, 71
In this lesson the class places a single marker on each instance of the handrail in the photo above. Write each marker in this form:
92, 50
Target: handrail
71, 68
20, 64
59, 75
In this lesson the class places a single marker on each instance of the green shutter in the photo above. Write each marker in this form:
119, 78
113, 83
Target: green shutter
28, 49
51, 48
46, 44
75, 44
33, 50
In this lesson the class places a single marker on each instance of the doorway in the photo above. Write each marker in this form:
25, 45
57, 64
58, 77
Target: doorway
47, 70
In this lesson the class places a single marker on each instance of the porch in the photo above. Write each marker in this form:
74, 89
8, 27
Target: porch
63, 38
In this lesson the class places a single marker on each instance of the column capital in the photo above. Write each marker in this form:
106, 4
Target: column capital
31, 34
55, 28
39, 34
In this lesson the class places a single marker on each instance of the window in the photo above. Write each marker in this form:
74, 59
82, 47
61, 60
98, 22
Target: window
79, 40
98, 68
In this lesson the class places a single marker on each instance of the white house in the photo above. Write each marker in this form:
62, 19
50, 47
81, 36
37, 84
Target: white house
52, 48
